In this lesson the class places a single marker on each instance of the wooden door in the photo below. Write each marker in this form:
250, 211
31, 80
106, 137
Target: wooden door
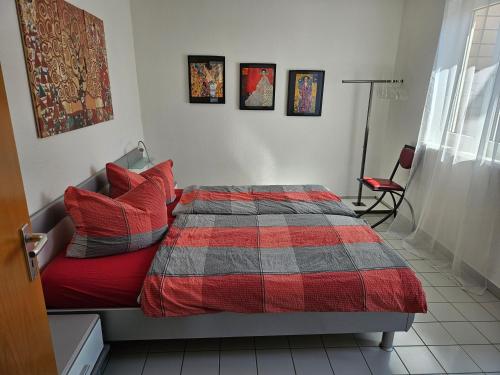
25, 342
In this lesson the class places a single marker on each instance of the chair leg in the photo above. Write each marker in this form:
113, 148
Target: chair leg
402, 197
394, 211
394, 203
383, 219
373, 205
413, 225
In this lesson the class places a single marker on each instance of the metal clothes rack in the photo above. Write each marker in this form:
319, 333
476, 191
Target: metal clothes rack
372, 83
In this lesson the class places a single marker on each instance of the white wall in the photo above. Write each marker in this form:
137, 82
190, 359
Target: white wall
418, 39
49, 165
219, 144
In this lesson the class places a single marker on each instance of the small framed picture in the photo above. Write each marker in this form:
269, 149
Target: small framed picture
257, 86
305, 92
207, 79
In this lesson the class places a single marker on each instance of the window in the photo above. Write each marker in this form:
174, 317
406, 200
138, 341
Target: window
484, 50
476, 114
484, 37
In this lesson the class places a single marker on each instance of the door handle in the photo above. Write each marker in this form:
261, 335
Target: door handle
33, 244
39, 240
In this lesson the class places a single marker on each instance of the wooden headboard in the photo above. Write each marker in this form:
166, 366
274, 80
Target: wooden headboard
53, 219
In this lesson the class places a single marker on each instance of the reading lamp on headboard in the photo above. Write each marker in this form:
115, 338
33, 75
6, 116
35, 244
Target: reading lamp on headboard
143, 163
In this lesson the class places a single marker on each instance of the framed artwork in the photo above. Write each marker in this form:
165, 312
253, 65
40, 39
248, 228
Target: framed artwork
257, 86
67, 65
305, 92
207, 79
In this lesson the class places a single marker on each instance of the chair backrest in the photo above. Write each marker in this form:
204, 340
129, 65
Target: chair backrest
406, 156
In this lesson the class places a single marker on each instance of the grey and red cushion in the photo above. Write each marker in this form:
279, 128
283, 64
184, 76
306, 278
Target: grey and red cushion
107, 226
122, 180
382, 184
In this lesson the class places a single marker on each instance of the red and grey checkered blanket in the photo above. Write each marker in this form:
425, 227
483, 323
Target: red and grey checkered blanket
260, 199
277, 263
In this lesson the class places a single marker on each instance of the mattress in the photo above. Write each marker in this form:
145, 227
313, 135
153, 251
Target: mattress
110, 281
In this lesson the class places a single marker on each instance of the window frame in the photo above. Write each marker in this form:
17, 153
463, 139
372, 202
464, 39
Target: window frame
453, 131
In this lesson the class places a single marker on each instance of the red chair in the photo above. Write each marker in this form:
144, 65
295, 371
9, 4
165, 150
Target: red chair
385, 185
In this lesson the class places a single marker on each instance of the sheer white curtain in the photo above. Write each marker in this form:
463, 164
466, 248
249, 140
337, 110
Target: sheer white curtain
455, 180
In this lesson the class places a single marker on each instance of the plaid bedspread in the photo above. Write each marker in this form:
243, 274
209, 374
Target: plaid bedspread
261, 199
277, 263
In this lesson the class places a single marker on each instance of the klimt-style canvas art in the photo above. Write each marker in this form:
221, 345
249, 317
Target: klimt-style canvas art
66, 61
206, 79
305, 92
257, 83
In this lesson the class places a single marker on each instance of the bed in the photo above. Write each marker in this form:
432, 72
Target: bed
377, 293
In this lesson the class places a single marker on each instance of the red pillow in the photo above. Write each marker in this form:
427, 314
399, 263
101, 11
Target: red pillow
107, 226
122, 180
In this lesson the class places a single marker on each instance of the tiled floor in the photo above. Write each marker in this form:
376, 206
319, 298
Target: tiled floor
459, 334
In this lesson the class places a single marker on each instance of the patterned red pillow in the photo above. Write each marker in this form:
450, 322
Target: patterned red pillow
107, 226
122, 180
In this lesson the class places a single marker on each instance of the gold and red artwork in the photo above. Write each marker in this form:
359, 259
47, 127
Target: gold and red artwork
66, 61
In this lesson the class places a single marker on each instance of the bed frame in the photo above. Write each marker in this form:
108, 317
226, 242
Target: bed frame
130, 323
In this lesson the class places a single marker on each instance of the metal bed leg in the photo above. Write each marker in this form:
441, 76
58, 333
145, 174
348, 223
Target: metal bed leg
387, 340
